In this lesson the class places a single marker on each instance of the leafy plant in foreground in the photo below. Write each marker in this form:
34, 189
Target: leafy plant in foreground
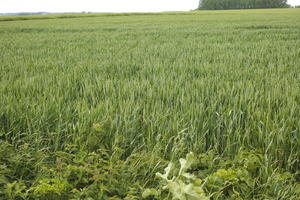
222, 178
181, 186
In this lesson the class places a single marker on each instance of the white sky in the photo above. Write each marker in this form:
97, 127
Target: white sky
101, 5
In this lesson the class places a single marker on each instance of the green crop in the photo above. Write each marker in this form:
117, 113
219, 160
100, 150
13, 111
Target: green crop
93, 106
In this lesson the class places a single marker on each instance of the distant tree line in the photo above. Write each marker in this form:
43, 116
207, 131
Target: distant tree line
241, 4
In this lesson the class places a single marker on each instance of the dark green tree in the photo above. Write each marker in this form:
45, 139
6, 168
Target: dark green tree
241, 4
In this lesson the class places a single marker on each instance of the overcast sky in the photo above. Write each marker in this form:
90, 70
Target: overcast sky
101, 5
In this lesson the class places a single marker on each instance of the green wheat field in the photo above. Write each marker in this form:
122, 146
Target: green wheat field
179, 105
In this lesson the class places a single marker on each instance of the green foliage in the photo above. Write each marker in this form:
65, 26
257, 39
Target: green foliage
241, 4
76, 175
51, 189
99, 174
238, 181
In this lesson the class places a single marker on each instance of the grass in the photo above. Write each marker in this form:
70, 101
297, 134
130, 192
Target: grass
150, 89
81, 15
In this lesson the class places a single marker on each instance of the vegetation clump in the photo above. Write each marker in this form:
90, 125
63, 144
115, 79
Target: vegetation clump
241, 4
77, 174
